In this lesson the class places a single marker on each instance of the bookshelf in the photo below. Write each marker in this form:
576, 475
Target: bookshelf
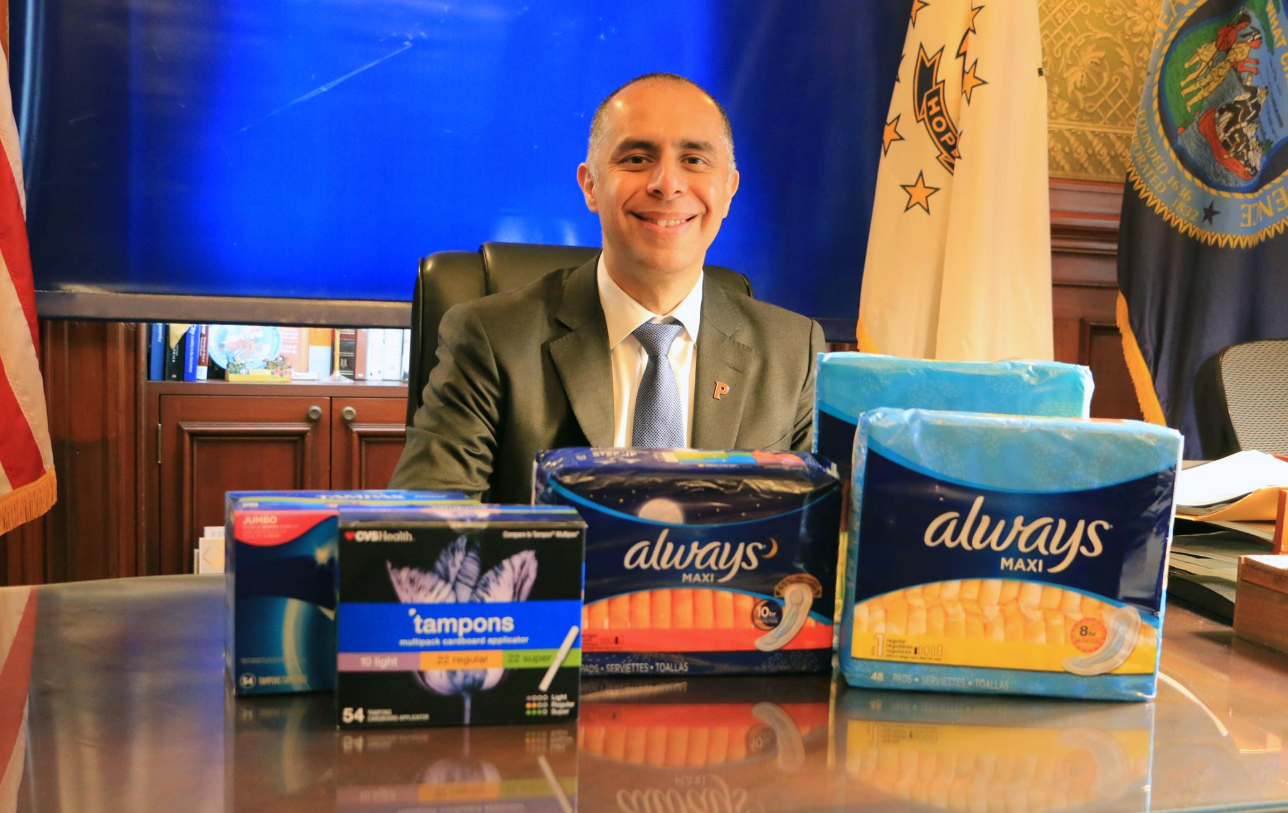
279, 425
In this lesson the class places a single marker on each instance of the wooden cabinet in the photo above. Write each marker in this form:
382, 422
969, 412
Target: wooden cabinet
367, 437
216, 437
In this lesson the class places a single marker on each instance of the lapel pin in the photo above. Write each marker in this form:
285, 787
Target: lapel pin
722, 389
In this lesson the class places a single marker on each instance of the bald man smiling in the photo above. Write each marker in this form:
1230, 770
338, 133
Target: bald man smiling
636, 347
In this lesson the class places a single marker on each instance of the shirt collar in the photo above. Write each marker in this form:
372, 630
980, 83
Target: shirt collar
623, 314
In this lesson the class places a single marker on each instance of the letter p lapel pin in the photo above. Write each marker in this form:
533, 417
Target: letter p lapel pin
722, 389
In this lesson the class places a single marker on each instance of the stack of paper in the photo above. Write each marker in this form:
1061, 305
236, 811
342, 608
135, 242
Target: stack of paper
1243, 487
1205, 568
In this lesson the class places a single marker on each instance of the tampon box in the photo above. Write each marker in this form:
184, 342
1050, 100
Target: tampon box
459, 616
279, 556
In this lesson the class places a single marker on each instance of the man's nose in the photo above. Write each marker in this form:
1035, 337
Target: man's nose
667, 181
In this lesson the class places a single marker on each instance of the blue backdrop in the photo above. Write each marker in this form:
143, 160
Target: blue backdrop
317, 149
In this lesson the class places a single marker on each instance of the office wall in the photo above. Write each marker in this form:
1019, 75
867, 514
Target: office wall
1095, 52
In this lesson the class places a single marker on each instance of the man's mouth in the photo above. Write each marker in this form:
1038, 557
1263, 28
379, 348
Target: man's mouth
664, 222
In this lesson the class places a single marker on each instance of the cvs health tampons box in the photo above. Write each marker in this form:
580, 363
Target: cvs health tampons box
279, 557
459, 615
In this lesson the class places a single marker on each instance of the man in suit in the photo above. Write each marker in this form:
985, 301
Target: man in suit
636, 347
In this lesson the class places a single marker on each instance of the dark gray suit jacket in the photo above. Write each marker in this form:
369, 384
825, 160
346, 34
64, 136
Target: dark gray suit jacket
528, 369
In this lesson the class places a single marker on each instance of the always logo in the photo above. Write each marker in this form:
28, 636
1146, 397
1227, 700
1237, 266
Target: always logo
1045, 536
714, 557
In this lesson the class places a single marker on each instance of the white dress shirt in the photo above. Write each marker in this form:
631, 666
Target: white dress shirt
623, 314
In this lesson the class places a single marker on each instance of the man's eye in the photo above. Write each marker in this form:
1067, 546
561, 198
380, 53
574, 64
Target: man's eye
634, 159
696, 160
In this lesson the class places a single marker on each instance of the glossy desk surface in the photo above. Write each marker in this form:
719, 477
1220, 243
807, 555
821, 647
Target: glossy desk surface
128, 711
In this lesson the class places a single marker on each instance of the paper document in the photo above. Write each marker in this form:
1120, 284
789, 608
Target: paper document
1250, 481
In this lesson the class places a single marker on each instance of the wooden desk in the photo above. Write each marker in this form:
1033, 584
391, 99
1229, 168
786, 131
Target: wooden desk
128, 710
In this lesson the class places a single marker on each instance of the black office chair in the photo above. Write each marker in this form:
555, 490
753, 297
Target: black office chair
1253, 378
450, 277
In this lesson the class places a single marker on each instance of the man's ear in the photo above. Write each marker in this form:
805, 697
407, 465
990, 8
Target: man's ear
586, 181
734, 179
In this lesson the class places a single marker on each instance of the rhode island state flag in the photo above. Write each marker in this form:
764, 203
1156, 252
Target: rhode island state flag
959, 254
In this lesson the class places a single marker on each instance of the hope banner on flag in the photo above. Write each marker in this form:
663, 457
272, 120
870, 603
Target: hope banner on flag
959, 253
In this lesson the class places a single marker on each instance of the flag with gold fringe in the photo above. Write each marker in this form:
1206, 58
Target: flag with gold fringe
959, 253
27, 484
1202, 260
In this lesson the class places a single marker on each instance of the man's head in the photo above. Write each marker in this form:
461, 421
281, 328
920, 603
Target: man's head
660, 173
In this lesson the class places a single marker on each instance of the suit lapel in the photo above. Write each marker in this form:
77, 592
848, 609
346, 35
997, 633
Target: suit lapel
581, 356
724, 366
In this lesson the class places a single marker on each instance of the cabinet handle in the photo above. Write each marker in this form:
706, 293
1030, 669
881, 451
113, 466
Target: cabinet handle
315, 413
348, 413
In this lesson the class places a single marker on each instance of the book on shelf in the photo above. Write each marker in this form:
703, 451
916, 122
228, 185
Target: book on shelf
203, 352
156, 352
346, 351
361, 344
196, 357
176, 348
319, 352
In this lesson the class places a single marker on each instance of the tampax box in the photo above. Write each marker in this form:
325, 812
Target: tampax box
279, 549
702, 562
850, 384
459, 616
1008, 555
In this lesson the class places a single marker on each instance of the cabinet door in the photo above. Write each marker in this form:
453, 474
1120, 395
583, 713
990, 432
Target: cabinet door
367, 438
214, 444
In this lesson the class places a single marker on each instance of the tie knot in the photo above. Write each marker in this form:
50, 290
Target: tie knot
657, 339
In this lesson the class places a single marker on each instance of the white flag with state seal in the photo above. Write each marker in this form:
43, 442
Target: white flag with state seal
959, 252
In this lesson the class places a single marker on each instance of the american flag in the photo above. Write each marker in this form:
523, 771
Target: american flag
27, 484
17, 646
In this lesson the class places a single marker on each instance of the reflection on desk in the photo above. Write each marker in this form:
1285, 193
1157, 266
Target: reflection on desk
128, 710
952, 752
706, 744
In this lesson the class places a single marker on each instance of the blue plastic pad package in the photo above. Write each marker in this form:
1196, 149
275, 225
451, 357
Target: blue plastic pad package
1008, 555
702, 562
280, 549
458, 615
850, 384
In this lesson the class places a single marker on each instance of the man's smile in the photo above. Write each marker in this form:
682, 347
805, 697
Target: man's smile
664, 220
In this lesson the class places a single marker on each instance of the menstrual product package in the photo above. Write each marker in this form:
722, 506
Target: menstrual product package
850, 384
1008, 555
459, 616
702, 562
279, 557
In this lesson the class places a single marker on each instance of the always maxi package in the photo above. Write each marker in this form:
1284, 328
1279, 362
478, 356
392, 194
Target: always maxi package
850, 384
279, 549
702, 562
1008, 555
459, 616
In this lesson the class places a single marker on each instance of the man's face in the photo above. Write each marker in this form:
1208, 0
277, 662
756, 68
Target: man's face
662, 179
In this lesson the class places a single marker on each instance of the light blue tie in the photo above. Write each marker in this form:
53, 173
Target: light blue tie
658, 421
